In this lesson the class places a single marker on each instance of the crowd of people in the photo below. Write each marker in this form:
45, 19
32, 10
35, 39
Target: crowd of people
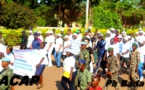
81, 55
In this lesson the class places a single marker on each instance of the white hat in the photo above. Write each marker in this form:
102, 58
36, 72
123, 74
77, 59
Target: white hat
137, 33
108, 31
30, 31
141, 31
125, 38
39, 32
112, 29
129, 37
87, 37
123, 32
59, 35
49, 32
66, 36
98, 32
69, 50
119, 36
141, 41
75, 34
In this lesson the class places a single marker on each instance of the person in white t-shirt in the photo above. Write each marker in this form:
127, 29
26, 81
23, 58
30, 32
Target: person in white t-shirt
66, 46
10, 55
58, 49
41, 64
107, 39
30, 39
75, 45
142, 55
40, 36
112, 32
125, 52
49, 46
79, 37
69, 74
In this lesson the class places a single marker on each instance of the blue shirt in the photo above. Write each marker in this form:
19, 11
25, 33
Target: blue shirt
36, 44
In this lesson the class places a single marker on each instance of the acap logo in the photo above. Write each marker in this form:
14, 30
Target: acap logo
25, 80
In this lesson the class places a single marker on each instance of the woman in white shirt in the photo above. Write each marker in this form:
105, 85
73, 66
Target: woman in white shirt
69, 71
41, 65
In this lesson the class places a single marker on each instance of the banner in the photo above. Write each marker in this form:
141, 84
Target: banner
25, 62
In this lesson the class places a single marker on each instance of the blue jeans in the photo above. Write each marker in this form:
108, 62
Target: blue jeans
140, 69
57, 58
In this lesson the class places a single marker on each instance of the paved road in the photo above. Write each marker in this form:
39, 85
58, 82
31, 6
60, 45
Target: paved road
52, 76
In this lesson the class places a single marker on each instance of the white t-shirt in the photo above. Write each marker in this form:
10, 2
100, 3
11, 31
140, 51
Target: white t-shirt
113, 35
42, 53
141, 38
68, 63
30, 40
49, 39
12, 59
142, 53
126, 47
66, 43
59, 41
107, 42
75, 46
70, 37
116, 49
79, 37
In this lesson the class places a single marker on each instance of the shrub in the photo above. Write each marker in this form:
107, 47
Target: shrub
16, 16
12, 37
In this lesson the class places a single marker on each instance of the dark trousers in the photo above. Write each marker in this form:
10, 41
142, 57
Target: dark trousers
103, 62
53, 51
65, 81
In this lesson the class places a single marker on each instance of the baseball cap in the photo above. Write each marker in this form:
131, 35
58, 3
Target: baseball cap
5, 59
59, 35
108, 31
83, 61
86, 31
88, 37
112, 28
110, 49
39, 32
75, 34
35, 34
30, 31
69, 50
100, 35
66, 36
134, 44
83, 43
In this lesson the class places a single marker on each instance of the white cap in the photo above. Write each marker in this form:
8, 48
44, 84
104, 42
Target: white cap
112, 29
129, 37
69, 50
49, 32
141, 41
123, 32
98, 32
75, 34
125, 38
137, 33
66, 36
141, 31
119, 36
108, 31
87, 37
30, 31
59, 35
39, 32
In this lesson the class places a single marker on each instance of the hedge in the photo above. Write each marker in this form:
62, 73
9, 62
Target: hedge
12, 37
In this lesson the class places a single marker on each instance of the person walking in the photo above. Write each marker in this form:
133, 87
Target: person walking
30, 39
113, 67
69, 71
49, 46
23, 44
36, 42
134, 64
58, 49
83, 78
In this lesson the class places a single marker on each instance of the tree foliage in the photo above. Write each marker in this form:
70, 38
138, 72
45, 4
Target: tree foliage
16, 16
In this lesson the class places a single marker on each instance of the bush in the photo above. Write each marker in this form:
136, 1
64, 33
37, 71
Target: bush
12, 37
17, 16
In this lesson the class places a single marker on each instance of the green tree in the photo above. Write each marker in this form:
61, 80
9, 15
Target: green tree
16, 16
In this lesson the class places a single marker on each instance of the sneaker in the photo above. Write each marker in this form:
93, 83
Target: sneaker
141, 79
49, 65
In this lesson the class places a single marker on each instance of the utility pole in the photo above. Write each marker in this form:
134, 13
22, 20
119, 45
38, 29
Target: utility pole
87, 13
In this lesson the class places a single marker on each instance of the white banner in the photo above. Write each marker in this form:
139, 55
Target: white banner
25, 62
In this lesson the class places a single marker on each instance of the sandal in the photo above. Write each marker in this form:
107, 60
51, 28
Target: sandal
39, 86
